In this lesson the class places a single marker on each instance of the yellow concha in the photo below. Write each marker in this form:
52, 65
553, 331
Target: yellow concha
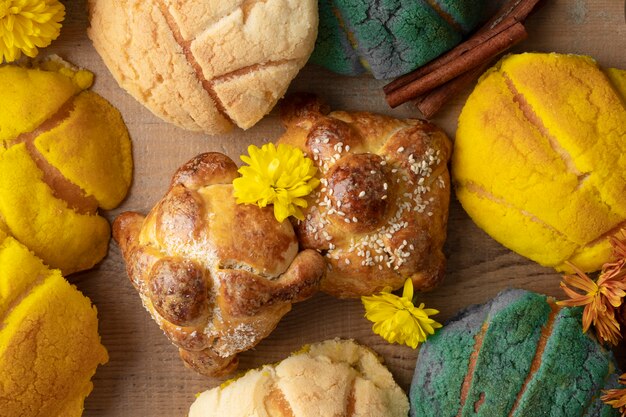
92, 152
31, 96
540, 157
62, 237
55, 136
49, 342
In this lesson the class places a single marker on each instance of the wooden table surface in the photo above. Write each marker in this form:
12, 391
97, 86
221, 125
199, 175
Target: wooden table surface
144, 376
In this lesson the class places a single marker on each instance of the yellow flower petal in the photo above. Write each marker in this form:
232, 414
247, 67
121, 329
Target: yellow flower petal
407, 292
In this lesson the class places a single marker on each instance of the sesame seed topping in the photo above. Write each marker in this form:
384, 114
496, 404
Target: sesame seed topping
379, 249
401, 149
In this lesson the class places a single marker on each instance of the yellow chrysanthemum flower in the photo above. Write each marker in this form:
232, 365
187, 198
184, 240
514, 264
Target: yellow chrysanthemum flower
281, 176
26, 25
397, 320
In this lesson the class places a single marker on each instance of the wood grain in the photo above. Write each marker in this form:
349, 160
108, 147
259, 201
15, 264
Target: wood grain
144, 376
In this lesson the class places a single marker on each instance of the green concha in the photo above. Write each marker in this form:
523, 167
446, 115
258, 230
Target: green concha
390, 38
519, 355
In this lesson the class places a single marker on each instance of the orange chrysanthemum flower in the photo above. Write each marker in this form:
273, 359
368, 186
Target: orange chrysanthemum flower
616, 398
618, 241
603, 298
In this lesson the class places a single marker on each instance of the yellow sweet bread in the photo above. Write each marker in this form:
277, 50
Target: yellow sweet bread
64, 152
540, 157
49, 342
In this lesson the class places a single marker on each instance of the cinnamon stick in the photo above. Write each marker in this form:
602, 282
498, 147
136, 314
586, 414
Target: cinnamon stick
432, 102
488, 46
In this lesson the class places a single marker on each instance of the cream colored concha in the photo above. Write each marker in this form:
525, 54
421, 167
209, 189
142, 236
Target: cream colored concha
331, 378
205, 65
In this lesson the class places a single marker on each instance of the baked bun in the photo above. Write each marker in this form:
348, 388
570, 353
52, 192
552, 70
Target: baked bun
216, 276
539, 157
380, 213
205, 65
331, 378
49, 342
64, 153
518, 355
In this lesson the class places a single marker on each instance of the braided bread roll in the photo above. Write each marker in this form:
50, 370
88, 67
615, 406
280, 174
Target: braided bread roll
380, 213
215, 275
331, 378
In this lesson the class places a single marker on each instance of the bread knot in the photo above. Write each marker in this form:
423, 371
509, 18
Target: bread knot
216, 275
379, 216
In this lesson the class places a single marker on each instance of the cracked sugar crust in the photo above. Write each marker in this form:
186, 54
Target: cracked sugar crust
331, 378
49, 343
518, 355
197, 65
560, 121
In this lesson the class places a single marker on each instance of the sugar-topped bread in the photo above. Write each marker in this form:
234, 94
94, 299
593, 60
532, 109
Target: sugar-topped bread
216, 276
205, 65
331, 378
380, 213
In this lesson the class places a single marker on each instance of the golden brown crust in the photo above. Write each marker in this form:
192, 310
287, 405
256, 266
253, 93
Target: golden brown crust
203, 360
216, 276
246, 293
179, 291
205, 169
380, 213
